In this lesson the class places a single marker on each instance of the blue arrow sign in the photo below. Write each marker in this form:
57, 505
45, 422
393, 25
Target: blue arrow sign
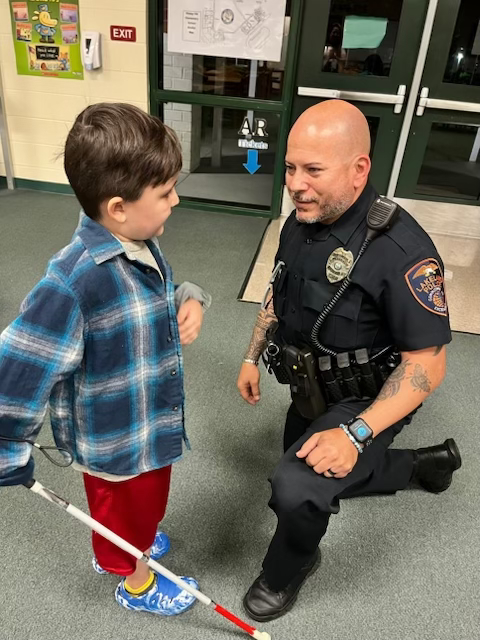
252, 165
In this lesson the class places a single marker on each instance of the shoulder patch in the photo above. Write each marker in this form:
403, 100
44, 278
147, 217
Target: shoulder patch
425, 281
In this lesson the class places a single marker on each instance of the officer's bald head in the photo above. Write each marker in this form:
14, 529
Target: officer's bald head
327, 160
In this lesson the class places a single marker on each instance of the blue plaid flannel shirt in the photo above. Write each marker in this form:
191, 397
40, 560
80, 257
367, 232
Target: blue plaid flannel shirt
97, 341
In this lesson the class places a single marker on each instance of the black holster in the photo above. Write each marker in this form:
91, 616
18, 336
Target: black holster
298, 368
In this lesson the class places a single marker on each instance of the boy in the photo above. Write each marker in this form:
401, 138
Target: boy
98, 339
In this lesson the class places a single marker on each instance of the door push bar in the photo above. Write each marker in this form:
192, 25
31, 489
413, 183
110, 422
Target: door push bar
397, 99
434, 103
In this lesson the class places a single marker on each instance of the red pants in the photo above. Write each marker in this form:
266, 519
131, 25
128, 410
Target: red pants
132, 509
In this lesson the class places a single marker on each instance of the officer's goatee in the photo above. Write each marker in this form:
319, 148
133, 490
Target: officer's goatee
327, 212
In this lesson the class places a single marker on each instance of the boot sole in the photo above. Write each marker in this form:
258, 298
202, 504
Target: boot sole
290, 604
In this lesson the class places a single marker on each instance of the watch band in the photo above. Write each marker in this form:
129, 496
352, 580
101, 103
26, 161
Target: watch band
358, 446
366, 439
250, 361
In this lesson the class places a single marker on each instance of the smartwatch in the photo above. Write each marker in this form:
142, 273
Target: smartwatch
360, 431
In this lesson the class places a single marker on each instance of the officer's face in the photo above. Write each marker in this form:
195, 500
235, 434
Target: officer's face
320, 180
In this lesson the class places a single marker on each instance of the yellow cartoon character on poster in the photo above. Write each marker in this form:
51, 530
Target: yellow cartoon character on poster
46, 23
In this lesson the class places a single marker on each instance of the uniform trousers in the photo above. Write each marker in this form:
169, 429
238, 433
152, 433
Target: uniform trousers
304, 500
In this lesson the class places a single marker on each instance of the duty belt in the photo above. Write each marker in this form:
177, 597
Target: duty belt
358, 374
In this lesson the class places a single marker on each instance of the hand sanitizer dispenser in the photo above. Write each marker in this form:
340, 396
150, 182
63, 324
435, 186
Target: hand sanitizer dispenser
91, 53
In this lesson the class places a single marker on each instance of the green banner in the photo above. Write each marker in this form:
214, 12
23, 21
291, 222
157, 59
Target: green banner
46, 36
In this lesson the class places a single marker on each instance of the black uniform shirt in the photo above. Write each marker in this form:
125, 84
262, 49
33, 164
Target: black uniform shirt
397, 291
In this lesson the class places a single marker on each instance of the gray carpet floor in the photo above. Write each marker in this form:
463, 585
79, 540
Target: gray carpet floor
398, 567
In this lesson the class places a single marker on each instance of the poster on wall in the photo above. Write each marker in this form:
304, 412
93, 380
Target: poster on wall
251, 29
46, 37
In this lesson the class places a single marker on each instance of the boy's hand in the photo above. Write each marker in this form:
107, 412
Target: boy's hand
190, 319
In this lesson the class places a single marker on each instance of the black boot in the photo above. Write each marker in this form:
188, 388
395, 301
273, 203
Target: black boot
262, 603
433, 467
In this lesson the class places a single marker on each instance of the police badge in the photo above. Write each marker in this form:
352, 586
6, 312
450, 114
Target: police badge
339, 264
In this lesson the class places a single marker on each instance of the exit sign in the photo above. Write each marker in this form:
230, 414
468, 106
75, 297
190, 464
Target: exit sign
127, 34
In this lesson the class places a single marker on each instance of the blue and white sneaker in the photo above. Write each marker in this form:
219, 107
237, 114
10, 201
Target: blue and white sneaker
160, 546
163, 598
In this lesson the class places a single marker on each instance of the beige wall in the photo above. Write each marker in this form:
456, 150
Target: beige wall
40, 110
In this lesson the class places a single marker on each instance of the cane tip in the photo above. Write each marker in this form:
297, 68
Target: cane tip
262, 635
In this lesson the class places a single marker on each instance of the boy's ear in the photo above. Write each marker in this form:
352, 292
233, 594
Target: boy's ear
115, 209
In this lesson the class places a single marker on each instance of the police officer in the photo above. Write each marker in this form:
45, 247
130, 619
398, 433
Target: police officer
396, 299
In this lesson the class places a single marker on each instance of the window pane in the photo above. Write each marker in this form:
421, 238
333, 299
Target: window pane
217, 144
451, 164
462, 66
222, 76
361, 37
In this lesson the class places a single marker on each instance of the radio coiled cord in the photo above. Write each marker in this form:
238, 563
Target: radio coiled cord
327, 309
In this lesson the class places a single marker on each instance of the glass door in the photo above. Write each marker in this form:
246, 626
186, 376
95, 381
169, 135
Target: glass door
231, 114
441, 160
363, 52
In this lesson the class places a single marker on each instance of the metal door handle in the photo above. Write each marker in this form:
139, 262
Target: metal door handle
435, 103
396, 99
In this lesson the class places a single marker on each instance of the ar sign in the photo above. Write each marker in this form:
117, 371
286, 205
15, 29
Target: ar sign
259, 128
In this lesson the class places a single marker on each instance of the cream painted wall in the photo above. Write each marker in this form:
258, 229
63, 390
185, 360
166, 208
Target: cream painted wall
40, 111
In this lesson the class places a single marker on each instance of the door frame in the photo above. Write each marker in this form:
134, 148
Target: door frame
419, 116
282, 107
415, 153
316, 15
368, 93
443, 30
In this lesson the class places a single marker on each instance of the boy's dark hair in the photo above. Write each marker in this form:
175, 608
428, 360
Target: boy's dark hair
118, 150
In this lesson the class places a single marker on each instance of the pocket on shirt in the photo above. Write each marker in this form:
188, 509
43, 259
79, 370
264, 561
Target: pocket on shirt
340, 329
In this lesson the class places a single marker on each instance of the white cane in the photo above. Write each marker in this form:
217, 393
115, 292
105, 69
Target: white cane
49, 495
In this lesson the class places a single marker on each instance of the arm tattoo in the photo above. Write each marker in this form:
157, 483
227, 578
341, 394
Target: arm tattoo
392, 384
418, 379
265, 319
437, 350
